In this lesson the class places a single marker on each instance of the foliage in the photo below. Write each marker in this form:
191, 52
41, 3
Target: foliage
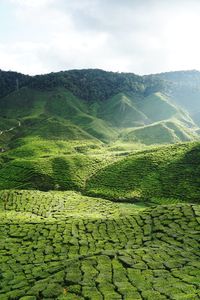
11, 81
91, 84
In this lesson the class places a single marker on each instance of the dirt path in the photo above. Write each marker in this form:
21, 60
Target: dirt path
10, 129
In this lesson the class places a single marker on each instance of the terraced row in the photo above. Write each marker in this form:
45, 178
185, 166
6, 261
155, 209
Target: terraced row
56, 204
151, 254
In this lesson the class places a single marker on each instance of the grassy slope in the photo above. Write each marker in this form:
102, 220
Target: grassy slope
166, 172
53, 128
165, 132
49, 172
121, 111
58, 114
55, 114
56, 110
169, 172
148, 120
129, 109
157, 107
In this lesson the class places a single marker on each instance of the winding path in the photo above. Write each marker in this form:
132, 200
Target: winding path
10, 129
7, 130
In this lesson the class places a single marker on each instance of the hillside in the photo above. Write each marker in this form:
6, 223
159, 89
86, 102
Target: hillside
169, 173
45, 126
184, 89
52, 122
99, 186
91, 104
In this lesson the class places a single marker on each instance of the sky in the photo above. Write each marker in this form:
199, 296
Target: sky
139, 36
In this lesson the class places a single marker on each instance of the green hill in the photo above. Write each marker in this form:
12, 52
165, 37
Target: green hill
166, 132
47, 172
53, 113
162, 174
121, 111
183, 87
170, 172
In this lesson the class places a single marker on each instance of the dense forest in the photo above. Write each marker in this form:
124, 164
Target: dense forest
91, 84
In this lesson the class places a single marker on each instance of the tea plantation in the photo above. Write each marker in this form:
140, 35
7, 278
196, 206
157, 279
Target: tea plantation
99, 186
62, 245
169, 172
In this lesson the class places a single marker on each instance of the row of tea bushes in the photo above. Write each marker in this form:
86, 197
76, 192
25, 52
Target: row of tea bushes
149, 254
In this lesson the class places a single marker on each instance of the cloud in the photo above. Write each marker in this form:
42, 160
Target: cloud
22, 57
145, 36
32, 3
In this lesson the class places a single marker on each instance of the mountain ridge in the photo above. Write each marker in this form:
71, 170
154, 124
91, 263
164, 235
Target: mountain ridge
102, 105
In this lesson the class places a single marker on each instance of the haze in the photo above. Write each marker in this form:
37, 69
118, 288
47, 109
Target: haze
143, 37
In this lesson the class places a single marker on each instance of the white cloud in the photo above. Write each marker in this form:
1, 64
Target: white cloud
22, 57
143, 36
33, 3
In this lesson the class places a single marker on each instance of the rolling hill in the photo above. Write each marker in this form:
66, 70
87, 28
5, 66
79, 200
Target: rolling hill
170, 173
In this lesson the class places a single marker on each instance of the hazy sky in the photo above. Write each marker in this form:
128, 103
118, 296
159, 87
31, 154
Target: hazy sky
140, 36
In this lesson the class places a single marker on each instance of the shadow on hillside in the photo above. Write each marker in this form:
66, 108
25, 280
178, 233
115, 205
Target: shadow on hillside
63, 174
166, 173
181, 178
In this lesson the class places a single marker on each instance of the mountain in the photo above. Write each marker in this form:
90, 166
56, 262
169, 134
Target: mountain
91, 104
184, 89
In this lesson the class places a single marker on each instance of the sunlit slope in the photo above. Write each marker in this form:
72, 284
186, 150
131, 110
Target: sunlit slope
54, 113
130, 110
121, 111
184, 89
58, 114
171, 172
157, 107
148, 120
165, 132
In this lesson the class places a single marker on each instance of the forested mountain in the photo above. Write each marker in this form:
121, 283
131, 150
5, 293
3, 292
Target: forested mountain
88, 84
11, 81
103, 105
